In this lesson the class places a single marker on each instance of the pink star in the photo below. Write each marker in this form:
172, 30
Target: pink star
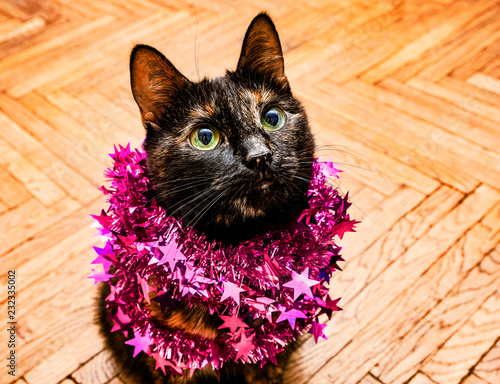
99, 276
317, 331
232, 322
140, 343
122, 317
103, 219
171, 254
128, 240
105, 257
162, 363
328, 169
292, 315
301, 284
231, 290
344, 226
329, 306
244, 347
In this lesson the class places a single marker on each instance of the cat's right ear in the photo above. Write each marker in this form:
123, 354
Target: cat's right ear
155, 82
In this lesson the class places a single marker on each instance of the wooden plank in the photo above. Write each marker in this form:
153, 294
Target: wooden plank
448, 22
464, 349
371, 167
420, 378
426, 147
372, 313
379, 219
489, 367
120, 123
433, 144
472, 39
71, 182
100, 369
469, 47
369, 379
12, 191
56, 239
67, 354
475, 64
427, 101
474, 379
470, 91
3, 207
390, 337
46, 47
484, 81
443, 321
363, 267
62, 335
20, 381
21, 223
91, 140
380, 44
79, 159
111, 123
114, 39
476, 107
32, 178
493, 69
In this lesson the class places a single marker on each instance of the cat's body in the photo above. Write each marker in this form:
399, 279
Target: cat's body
232, 157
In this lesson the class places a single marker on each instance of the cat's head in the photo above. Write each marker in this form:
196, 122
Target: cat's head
232, 155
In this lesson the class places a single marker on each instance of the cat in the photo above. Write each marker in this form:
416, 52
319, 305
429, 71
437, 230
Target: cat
232, 156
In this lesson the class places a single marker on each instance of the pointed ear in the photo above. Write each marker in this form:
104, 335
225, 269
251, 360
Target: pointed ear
155, 82
261, 51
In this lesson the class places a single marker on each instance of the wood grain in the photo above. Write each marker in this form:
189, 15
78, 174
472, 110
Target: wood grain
404, 95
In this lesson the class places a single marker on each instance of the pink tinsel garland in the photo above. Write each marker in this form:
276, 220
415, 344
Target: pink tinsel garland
275, 282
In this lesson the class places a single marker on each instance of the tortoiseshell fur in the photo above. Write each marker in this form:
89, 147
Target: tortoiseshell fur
254, 181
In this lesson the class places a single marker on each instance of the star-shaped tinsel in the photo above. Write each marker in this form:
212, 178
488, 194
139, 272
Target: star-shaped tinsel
301, 284
140, 343
171, 254
99, 276
105, 257
247, 285
232, 322
317, 330
231, 290
162, 363
244, 346
292, 315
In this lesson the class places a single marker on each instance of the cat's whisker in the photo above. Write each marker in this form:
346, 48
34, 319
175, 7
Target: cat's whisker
190, 200
168, 193
207, 208
196, 48
181, 188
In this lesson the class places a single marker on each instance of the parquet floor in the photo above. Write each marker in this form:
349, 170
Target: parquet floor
409, 93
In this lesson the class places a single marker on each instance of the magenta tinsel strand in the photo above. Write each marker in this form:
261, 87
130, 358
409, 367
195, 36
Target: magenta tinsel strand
277, 279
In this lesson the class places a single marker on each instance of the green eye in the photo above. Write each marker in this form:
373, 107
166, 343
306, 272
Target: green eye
205, 138
273, 119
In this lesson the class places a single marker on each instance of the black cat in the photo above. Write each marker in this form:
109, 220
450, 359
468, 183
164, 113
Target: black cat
231, 156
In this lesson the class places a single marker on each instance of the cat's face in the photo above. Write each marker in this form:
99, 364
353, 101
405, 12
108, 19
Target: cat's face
232, 156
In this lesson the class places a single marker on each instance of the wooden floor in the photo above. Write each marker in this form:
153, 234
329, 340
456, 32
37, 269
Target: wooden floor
408, 92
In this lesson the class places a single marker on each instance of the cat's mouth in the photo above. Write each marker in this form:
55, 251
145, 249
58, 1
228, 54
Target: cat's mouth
265, 183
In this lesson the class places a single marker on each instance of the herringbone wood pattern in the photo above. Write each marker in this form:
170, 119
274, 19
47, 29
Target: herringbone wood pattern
406, 93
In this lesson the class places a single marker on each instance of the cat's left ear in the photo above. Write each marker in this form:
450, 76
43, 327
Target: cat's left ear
261, 52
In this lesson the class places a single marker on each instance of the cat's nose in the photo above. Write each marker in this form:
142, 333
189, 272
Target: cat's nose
259, 159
